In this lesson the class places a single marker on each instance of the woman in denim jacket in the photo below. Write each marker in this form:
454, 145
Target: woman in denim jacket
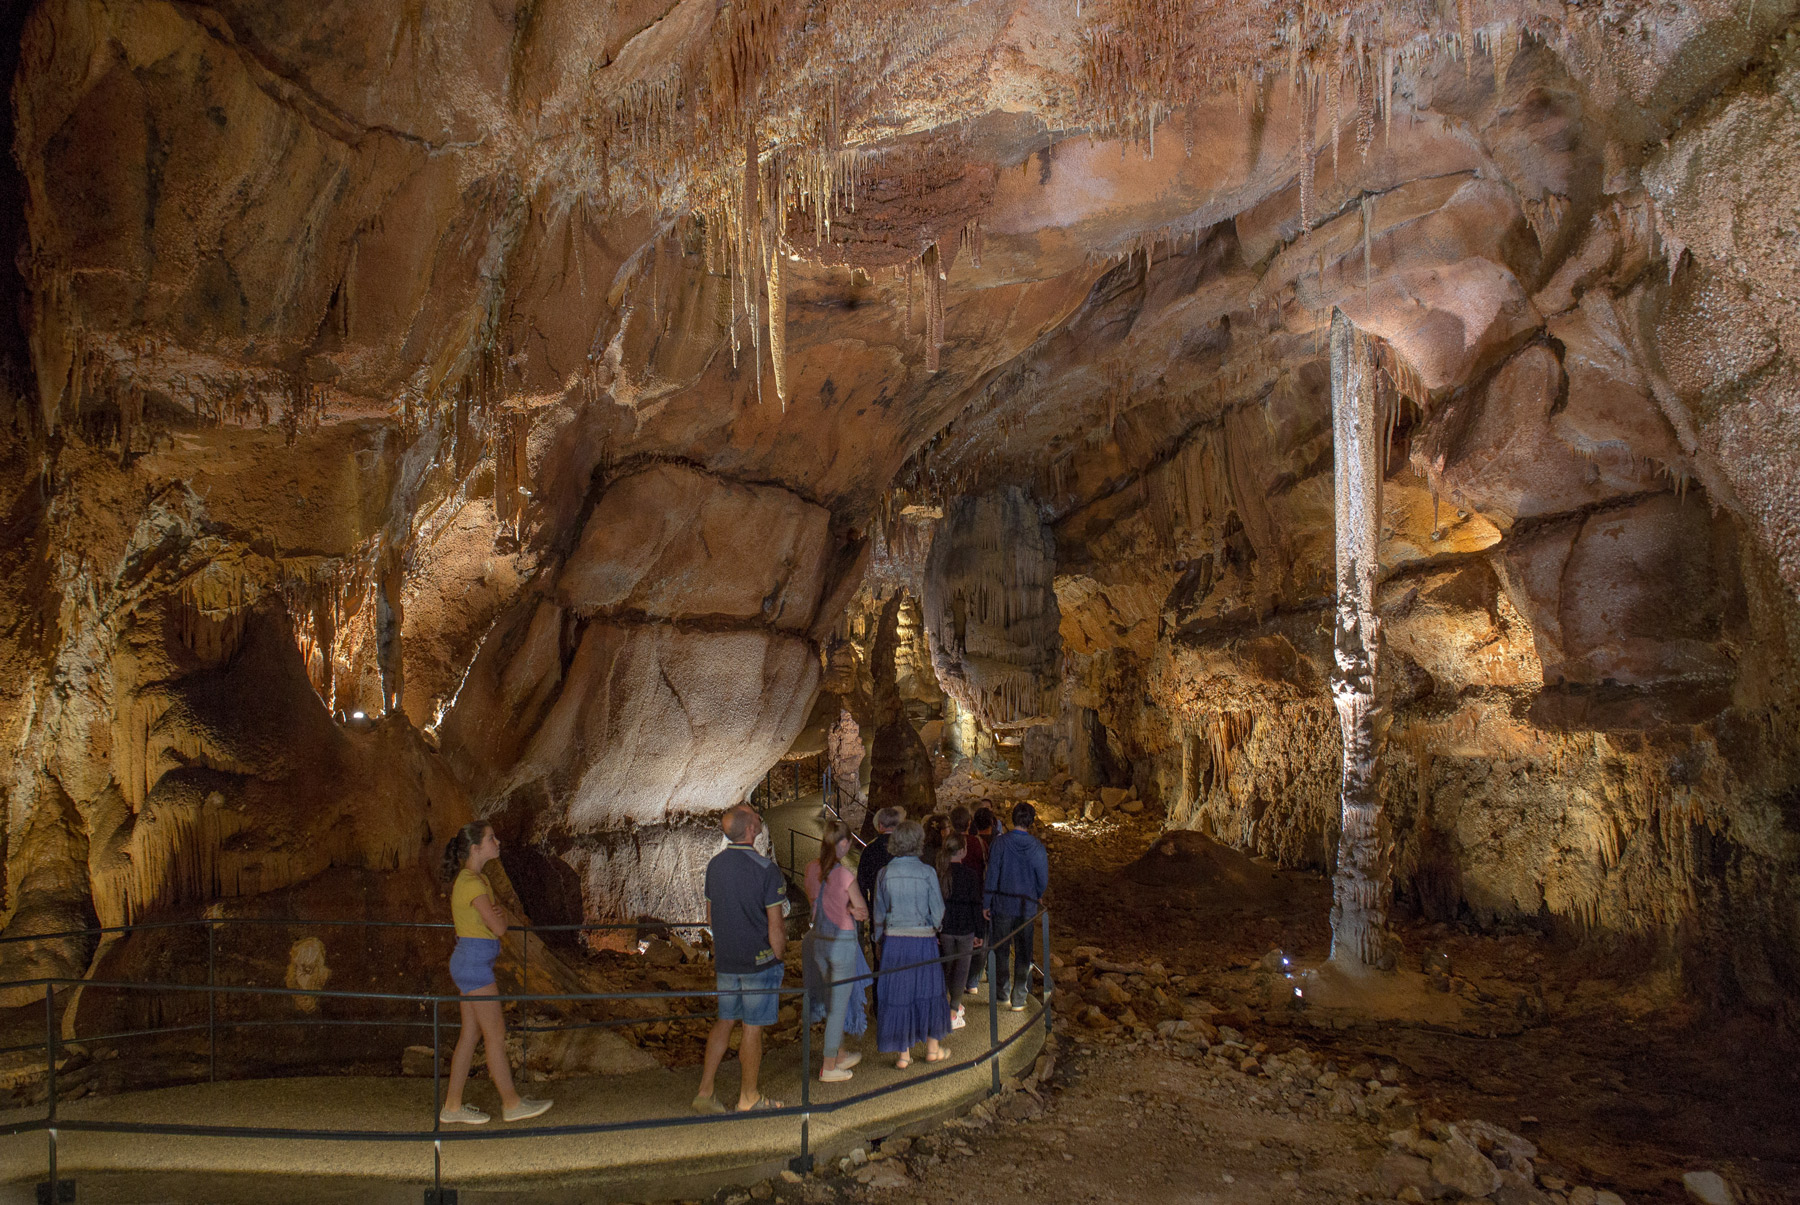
909, 907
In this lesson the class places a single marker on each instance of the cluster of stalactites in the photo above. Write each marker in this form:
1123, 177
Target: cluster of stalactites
1145, 59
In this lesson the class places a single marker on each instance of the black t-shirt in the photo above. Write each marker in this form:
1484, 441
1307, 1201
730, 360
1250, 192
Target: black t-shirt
869, 866
962, 909
741, 886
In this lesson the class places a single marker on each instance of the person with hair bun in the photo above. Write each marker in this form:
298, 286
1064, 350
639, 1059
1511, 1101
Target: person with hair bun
479, 926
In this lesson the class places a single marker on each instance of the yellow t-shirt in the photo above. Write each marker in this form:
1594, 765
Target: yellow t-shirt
468, 888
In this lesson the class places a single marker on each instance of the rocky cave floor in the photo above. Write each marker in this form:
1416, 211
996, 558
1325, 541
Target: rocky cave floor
1176, 1048
1614, 1085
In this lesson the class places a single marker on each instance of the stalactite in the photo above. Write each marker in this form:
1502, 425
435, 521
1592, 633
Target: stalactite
1333, 103
1505, 49
932, 265
1361, 890
1309, 154
1387, 95
778, 326
1365, 106
1465, 35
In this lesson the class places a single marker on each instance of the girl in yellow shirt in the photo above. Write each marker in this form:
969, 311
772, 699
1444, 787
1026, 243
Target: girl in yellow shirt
479, 926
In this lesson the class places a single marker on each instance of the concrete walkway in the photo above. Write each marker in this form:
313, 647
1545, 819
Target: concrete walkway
679, 1160
794, 830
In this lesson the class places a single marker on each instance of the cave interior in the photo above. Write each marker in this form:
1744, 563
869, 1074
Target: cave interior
1349, 439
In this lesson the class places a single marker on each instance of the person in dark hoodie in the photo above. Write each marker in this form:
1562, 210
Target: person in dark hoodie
1018, 875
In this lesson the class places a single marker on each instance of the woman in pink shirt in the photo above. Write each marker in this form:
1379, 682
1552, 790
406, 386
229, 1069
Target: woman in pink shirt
836, 954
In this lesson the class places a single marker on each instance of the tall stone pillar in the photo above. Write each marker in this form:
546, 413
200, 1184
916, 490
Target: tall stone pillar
1361, 890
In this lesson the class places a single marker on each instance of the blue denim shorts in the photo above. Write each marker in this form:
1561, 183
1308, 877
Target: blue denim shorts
753, 998
472, 962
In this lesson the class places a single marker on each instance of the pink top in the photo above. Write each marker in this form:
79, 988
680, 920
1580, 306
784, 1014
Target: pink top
836, 901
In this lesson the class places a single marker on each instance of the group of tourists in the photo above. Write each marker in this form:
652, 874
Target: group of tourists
936, 896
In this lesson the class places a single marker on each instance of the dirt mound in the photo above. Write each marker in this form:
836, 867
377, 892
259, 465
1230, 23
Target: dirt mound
1196, 861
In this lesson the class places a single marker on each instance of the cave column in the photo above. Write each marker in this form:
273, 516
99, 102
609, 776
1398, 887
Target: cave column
1360, 892
390, 617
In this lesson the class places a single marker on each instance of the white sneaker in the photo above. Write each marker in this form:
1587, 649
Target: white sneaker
466, 1114
847, 1061
526, 1109
834, 1075
957, 1020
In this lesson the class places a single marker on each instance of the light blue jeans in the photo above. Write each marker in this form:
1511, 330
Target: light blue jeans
835, 952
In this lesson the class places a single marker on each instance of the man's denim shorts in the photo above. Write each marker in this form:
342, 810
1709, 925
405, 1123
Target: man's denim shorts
751, 998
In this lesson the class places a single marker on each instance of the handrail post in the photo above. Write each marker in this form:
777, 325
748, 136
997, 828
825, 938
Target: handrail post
437, 1068
437, 1105
1049, 980
524, 1026
993, 991
212, 1002
50, 1086
805, 1075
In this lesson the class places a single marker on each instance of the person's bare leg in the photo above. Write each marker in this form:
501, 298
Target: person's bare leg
933, 1052
493, 1036
463, 1058
717, 1043
750, 1059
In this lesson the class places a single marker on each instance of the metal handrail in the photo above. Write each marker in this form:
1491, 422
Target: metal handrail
51, 1124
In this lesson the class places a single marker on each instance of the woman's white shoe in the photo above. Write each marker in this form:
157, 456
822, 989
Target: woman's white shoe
466, 1114
833, 1075
526, 1109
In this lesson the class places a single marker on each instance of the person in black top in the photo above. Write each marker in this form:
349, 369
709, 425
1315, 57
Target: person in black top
875, 855
874, 860
961, 934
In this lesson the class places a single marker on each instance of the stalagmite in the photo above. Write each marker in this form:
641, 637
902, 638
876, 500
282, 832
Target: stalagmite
1360, 892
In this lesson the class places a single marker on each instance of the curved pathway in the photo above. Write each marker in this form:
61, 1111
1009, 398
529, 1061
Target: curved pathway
682, 1159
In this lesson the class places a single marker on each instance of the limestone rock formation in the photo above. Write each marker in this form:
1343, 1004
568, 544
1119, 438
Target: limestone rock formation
991, 610
417, 410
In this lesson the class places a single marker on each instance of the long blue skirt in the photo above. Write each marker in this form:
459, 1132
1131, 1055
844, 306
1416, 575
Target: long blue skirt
911, 1005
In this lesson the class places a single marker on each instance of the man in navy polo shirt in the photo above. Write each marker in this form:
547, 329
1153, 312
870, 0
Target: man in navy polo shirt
746, 898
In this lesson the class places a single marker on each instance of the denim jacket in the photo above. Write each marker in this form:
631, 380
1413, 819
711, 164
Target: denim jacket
908, 900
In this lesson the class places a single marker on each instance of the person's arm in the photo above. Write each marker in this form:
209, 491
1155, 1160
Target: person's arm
882, 904
490, 915
859, 907
1040, 866
934, 901
777, 931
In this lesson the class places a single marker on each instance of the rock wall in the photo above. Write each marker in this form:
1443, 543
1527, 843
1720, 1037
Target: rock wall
652, 677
